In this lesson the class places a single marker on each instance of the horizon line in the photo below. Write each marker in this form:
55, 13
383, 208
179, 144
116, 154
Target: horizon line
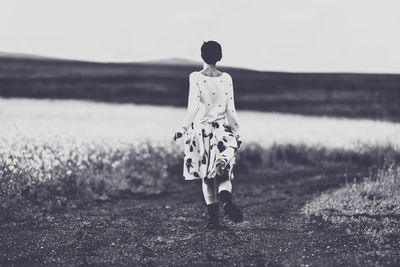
154, 61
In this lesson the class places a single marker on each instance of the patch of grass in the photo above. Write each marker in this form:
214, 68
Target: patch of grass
370, 207
44, 178
257, 159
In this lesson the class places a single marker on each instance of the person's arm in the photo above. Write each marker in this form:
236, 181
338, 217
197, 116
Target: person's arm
193, 104
231, 110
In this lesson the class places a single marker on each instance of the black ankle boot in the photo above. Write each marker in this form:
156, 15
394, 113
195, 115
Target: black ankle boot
213, 217
230, 208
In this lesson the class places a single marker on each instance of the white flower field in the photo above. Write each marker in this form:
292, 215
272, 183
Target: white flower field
68, 123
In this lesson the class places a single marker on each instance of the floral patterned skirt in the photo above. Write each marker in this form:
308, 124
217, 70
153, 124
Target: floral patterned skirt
206, 145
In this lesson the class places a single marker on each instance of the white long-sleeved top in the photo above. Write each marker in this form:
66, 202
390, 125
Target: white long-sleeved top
213, 97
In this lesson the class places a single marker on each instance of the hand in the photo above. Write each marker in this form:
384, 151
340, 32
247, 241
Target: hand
179, 133
239, 140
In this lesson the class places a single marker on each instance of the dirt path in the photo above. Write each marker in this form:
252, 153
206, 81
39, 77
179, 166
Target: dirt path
170, 230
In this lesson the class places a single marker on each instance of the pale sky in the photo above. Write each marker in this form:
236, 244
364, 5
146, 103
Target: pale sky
281, 35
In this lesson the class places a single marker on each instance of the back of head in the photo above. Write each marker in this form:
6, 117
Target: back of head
211, 52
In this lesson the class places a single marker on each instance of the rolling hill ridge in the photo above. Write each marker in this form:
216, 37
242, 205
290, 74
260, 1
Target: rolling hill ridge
165, 82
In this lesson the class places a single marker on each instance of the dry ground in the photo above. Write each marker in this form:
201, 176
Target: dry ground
169, 229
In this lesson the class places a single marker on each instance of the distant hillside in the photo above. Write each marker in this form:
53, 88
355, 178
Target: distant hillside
22, 55
166, 83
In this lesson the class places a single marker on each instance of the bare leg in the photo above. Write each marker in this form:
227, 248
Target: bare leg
210, 192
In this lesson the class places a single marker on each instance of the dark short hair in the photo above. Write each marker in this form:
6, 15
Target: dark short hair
211, 52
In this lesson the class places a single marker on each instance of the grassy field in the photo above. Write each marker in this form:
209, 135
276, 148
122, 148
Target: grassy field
332, 94
97, 151
81, 121
93, 183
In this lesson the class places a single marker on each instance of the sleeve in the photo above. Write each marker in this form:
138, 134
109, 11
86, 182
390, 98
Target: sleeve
193, 104
231, 110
